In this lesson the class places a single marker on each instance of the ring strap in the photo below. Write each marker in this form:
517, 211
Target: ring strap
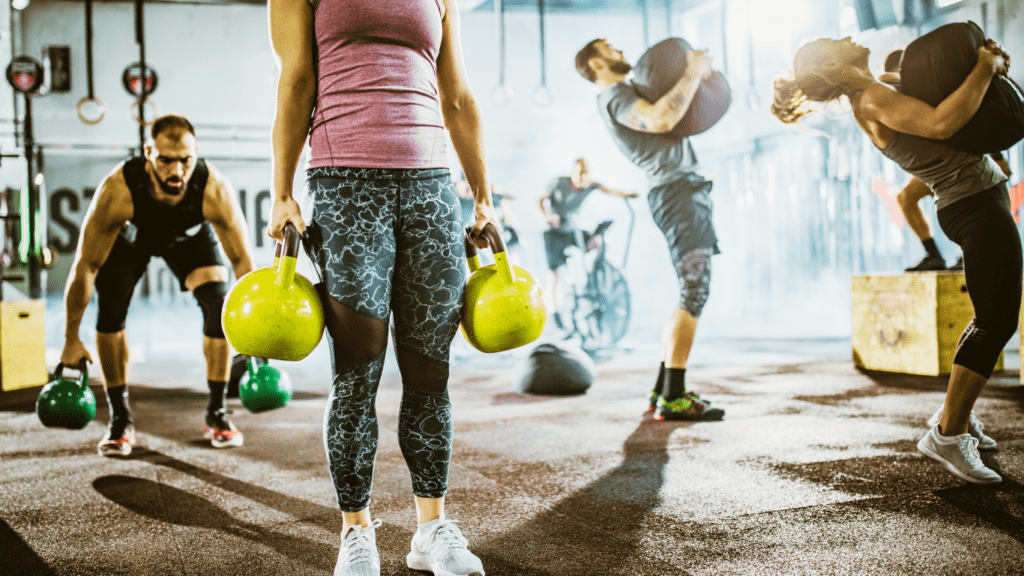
98, 102
88, 49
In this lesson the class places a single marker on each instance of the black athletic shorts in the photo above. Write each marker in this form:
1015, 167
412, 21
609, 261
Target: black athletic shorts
555, 243
127, 263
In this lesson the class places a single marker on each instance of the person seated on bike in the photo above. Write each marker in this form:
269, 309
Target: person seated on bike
563, 199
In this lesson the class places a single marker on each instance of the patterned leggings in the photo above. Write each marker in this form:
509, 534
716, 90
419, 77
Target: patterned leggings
387, 242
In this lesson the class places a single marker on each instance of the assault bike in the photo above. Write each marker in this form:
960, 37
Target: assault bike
595, 296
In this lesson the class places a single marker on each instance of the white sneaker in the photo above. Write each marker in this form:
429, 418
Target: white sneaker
974, 428
358, 555
959, 454
442, 549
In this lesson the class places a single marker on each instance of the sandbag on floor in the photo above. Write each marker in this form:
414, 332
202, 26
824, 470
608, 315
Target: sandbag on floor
555, 369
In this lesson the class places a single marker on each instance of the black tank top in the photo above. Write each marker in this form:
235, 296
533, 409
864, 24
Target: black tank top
156, 226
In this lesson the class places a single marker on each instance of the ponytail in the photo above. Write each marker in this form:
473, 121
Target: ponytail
814, 82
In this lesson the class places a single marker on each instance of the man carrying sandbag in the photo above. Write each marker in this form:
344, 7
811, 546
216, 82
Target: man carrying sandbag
646, 130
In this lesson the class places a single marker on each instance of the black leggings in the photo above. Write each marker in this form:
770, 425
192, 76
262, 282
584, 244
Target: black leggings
389, 244
984, 228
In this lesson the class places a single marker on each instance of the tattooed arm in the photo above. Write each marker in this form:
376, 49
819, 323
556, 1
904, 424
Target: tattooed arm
661, 116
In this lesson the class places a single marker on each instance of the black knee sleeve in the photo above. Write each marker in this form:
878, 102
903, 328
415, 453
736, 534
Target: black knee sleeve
211, 299
112, 299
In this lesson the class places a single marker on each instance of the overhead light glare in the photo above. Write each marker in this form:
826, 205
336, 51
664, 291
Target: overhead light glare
946, 3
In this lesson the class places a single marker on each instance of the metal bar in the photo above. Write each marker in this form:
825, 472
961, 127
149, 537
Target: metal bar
140, 37
499, 14
646, 22
543, 72
88, 46
34, 269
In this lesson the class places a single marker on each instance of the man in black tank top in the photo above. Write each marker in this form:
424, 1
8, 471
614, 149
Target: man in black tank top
174, 205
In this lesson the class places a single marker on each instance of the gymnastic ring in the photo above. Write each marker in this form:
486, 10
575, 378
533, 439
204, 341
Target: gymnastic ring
135, 108
98, 102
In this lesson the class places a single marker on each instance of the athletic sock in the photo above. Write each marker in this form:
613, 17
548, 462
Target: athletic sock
117, 400
931, 248
658, 384
424, 528
217, 392
675, 384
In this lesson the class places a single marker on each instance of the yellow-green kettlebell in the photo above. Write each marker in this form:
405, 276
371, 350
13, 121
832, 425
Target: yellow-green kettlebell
274, 312
504, 306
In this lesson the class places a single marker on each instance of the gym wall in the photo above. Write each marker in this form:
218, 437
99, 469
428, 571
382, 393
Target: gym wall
796, 216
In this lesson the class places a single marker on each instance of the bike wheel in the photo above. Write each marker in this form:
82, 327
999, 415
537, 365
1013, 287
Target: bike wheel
611, 304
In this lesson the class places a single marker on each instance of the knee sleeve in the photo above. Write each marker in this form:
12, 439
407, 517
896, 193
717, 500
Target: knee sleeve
211, 299
113, 299
694, 272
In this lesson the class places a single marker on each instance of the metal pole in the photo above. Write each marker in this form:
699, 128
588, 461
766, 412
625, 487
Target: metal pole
668, 17
34, 269
646, 17
140, 37
725, 42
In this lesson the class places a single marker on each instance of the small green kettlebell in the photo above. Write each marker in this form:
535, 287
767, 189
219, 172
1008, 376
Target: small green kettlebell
264, 387
67, 402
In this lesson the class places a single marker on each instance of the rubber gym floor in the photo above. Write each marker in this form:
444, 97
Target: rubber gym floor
813, 471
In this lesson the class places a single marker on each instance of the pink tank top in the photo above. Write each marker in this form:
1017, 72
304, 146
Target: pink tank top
377, 98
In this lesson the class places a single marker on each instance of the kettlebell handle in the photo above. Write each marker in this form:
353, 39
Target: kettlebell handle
253, 364
278, 248
83, 372
497, 246
289, 250
291, 241
494, 240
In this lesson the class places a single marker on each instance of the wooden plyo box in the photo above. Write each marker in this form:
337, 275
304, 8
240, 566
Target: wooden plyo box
910, 323
22, 344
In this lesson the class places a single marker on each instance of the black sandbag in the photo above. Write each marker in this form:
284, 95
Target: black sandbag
661, 67
556, 369
936, 64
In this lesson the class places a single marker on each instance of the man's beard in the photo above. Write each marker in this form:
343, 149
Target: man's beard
171, 190
620, 66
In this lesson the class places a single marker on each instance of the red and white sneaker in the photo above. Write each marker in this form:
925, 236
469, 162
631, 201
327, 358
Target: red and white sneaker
119, 439
220, 431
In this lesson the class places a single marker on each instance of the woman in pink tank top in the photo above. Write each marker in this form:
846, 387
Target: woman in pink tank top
373, 85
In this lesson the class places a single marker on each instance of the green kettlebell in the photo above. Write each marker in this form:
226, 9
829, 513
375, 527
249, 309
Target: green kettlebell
67, 402
264, 387
274, 312
504, 305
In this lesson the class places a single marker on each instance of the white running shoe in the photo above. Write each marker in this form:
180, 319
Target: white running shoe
119, 439
358, 555
959, 454
442, 549
974, 428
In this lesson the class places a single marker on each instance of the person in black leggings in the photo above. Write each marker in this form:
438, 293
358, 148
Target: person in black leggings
973, 210
378, 88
